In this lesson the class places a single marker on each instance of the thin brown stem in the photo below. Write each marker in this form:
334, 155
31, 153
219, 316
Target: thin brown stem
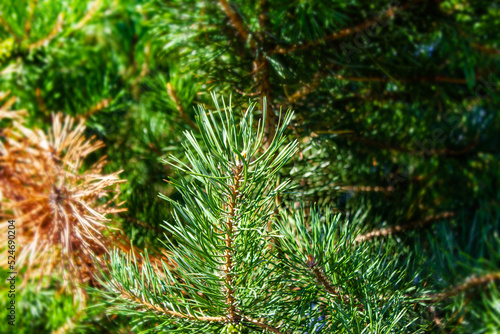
144, 304
29, 21
9, 29
469, 283
104, 103
180, 108
320, 75
262, 324
236, 19
438, 78
53, 33
246, 94
307, 89
375, 189
401, 228
88, 16
229, 253
397, 148
389, 13
323, 281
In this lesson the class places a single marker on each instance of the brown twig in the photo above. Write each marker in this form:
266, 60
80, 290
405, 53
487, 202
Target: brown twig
317, 78
397, 148
486, 49
401, 228
104, 103
323, 281
88, 16
31, 12
459, 81
263, 75
229, 252
53, 33
267, 100
236, 19
9, 29
339, 34
261, 323
156, 308
180, 108
307, 89
368, 189
39, 100
469, 283
246, 94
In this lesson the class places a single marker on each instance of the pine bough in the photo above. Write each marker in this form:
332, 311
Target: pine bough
242, 262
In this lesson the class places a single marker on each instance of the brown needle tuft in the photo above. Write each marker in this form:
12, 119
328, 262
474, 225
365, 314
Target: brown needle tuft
60, 204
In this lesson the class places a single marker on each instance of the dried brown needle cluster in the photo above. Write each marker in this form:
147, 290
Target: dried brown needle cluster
61, 207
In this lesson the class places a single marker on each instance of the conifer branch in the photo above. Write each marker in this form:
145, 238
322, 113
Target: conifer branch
438, 78
401, 228
31, 12
262, 324
321, 75
261, 62
323, 281
375, 189
236, 20
88, 16
306, 89
39, 100
9, 28
53, 34
59, 206
397, 148
178, 104
469, 283
229, 253
389, 13
145, 305
102, 104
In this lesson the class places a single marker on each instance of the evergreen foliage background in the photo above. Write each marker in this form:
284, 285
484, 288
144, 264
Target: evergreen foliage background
396, 119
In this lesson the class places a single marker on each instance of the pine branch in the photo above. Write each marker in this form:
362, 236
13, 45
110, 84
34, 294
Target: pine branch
389, 13
102, 104
180, 108
307, 89
402, 228
229, 253
323, 281
88, 16
9, 28
376, 189
322, 75
145, 305
221, 239
31, 12
236, 20
438, 78
470, 283
53, 34
262, 324
382, 145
